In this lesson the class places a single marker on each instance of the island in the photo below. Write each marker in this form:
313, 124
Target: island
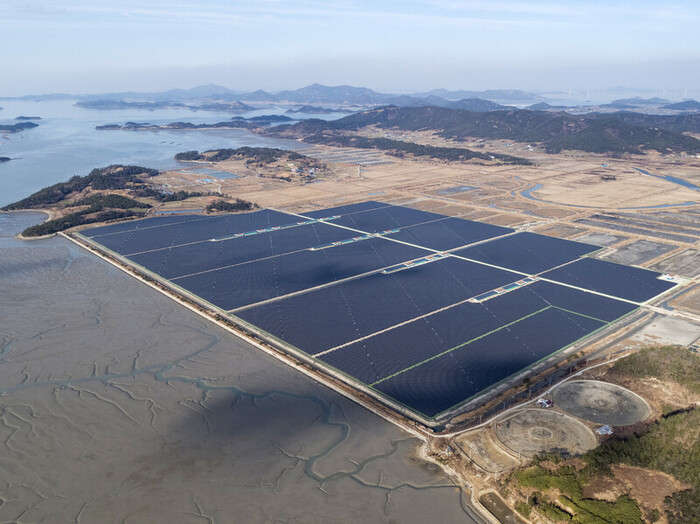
120, 192
4, 159
685, 105
262, 162
316, 110
237, 122
107, 105
106, 194
28, 118
16, 128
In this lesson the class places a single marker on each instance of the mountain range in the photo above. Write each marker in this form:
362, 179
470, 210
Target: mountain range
311, 94
623, 132
219, 98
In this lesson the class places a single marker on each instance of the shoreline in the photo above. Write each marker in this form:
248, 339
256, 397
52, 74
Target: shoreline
49, 216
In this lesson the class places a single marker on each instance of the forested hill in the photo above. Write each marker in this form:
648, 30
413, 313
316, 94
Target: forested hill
596, 133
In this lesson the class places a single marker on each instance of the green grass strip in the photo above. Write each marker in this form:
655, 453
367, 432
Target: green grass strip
581, 314
461, 345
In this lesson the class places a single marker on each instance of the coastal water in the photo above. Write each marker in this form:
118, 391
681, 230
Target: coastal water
66, 142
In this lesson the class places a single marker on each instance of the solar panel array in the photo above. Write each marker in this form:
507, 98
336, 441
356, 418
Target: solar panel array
426, 310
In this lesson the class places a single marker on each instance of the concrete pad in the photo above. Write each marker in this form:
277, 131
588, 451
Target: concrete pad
601, 402
667, 331
534, 431
485, 453
638, 252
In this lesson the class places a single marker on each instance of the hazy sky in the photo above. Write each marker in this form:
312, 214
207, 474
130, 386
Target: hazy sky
405, 45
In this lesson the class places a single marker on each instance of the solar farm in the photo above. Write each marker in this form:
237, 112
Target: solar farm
424, 311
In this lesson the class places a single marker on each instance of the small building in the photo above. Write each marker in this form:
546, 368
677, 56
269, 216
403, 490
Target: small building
604, 430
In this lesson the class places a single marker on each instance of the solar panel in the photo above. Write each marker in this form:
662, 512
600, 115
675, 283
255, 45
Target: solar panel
626, 282
379, 304
527, 252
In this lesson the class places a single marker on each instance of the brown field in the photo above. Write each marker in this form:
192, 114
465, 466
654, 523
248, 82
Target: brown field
571, 183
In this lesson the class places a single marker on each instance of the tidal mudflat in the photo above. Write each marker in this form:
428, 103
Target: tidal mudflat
119, 405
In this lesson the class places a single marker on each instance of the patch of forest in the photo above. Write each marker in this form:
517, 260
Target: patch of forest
261, 156
105, 178
400, 149
219, 206
671, 445
88, 199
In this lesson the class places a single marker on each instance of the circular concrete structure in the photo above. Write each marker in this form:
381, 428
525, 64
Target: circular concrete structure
601, 402
533, 431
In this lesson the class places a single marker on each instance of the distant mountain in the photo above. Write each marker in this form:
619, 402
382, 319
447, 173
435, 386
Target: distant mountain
470, 104
686, 105
320, 94
407, 101
477, 104
313, 110
311, 94
203, 91
501, 95
346, 96
258, 96
414, 101
108, 105
597, 133
639, 102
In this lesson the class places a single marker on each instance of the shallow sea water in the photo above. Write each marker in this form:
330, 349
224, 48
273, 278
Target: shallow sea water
66, 142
